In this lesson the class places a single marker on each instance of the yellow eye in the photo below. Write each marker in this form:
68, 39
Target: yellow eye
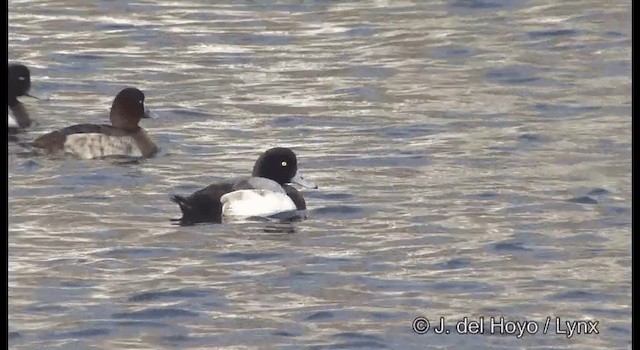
284, 163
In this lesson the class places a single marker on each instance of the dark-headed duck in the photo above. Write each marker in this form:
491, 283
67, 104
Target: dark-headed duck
123, 138
19, 85
266, 192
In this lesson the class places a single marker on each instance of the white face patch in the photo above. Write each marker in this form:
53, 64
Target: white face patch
245, 203
88, 146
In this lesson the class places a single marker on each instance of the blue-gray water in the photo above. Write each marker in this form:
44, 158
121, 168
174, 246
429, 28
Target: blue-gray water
473, 158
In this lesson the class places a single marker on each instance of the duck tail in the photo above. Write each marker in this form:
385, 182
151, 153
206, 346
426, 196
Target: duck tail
181, 201
24, 148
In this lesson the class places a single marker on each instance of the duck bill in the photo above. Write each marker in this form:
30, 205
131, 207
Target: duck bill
149, 114
299, 180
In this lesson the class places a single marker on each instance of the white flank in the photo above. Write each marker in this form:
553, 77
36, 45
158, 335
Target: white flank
12, 121
245, 203
89, 146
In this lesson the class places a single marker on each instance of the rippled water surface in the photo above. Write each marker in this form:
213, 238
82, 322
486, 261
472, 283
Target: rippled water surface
473, 158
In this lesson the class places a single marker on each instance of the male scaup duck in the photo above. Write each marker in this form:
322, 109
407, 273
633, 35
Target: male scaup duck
123, 138
19, 85
265, 193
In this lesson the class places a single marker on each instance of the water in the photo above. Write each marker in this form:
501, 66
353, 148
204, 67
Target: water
473, 158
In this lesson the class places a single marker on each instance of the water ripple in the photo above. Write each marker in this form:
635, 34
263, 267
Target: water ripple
154, 313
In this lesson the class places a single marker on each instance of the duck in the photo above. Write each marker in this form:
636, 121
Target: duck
123, 138
265, 193
19, 85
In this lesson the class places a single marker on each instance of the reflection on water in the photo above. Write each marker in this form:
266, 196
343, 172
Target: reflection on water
473, 159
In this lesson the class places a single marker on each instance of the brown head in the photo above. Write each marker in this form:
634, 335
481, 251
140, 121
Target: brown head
127, 109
